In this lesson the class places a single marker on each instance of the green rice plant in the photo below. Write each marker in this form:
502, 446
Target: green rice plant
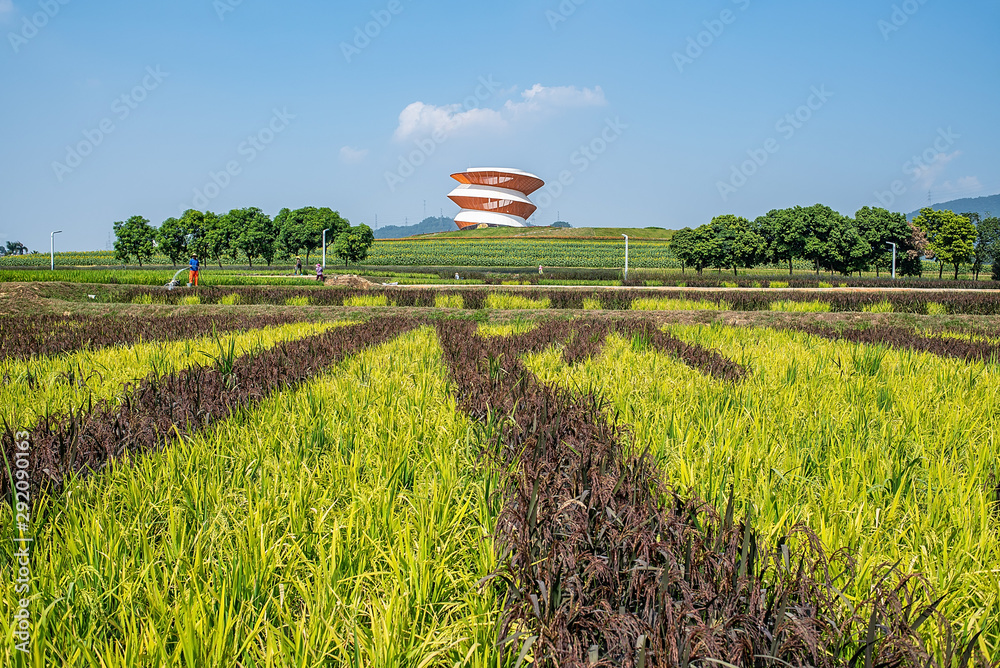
792, 306
652, 304
143, 299
449, 301
509, 302
889, 453
884, 306
190, 300
518, 326
729, 284
758, 284
367, 300
778, 284
935, 308
57, 384
824, 284
591, 304
682, 284
344, 523
230, 300
298, 301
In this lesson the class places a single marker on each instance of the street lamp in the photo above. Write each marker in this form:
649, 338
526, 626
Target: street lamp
52, 249
626, 257
324, 246
893, 258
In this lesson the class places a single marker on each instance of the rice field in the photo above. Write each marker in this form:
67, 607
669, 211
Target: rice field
398, 492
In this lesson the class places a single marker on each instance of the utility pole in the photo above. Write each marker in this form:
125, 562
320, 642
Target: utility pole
324, 246
893, 259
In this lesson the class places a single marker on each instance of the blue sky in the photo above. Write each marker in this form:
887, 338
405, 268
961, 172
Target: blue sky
637, 113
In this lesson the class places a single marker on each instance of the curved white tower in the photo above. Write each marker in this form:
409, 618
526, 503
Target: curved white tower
494, 197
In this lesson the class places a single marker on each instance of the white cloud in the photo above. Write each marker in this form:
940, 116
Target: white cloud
352, 156
421, 120
539, 98
927, 174
6, 6
967, 185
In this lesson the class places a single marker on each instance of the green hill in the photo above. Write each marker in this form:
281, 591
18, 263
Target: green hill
982, 205
426, 226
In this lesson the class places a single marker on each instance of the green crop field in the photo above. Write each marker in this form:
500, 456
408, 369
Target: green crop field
397, 490
520, 253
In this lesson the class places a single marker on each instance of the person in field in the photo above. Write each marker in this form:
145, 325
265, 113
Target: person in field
319, 272
298, 266
194, 266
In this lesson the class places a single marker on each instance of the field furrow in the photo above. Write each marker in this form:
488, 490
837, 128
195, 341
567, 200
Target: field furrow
22, 337
58, 384
890, 454
178, 404
343, 520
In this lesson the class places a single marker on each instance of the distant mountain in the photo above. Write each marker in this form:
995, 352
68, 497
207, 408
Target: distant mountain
980, 205
426, 226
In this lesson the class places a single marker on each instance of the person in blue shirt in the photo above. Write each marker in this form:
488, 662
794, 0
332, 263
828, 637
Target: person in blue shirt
193, 271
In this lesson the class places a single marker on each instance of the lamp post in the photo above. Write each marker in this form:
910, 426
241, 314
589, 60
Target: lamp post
52, 249
893, 258
324, 246
626, 257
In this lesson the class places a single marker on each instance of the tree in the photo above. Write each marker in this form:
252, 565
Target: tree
847, 251
251, 232
682, 246
561, 224
217, 240
196, 230
134, 239
978, 257
695, 248
951, 237
988, 244
353, 244
171, 239
302, 229
879, 228
15, 248
736, 242
817, 223
784, 232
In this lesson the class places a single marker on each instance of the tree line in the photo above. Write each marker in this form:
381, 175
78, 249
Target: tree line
242, 234
834, 242
13, 248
